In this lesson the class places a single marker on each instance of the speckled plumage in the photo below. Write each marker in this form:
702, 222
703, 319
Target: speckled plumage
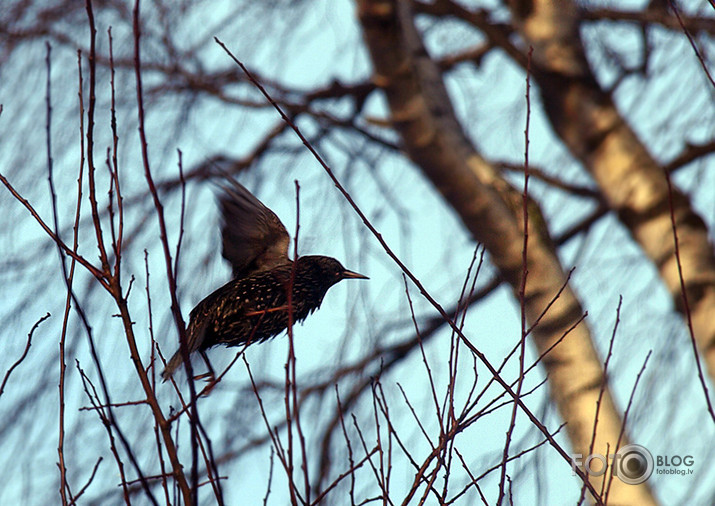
253, 307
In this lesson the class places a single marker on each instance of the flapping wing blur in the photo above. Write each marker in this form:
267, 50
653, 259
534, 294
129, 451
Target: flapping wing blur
254, 239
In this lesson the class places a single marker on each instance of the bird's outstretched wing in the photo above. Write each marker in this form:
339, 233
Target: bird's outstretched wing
254, 239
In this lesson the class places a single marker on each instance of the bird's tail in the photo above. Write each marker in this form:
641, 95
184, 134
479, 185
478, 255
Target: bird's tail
194, 339
172, 365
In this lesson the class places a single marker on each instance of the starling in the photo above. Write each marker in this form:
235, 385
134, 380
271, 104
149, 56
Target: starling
253, 306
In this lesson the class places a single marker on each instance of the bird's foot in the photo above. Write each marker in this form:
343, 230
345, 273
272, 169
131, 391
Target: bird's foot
207, 376
210, 380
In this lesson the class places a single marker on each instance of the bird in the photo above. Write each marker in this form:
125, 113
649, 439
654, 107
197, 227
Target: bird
254, 306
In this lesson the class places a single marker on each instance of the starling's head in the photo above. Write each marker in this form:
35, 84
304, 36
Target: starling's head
326, 271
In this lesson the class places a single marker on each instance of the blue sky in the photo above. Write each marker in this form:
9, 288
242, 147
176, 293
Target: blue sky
321, 43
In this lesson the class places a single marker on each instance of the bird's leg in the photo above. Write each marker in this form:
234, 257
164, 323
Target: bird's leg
209, 376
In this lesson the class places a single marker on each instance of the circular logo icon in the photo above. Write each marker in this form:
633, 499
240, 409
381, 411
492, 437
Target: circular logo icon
633, 464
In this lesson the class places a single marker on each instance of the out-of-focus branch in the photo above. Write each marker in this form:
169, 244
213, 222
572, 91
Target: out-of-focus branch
651, 17
691, 153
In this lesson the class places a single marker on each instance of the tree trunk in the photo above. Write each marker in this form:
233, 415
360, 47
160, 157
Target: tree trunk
633, 184
423, 116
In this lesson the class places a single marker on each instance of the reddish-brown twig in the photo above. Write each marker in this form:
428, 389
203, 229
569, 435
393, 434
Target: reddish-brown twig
686, 304
107, 422
24, 353
524, 275
289, 394
189, 494
280, 451
625, 421
602, 390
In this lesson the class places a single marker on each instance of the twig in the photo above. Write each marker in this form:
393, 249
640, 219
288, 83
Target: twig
64, 485
154, 350
24, 353
448, 414
684, 295
524, 275
385, 498
107, 421
182, 183
417, 419
475, 480
89, 153
118, 237
89, 481
349, 472
270, 477
602, 390
676, 11
289, 390
97, 273
625, 421
347, 444
273, 434
433, 389
189, 494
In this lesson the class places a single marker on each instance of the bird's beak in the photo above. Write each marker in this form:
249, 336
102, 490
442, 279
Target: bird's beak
353, 275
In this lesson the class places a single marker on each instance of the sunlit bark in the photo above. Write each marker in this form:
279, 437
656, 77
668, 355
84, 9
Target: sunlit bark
423, 115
